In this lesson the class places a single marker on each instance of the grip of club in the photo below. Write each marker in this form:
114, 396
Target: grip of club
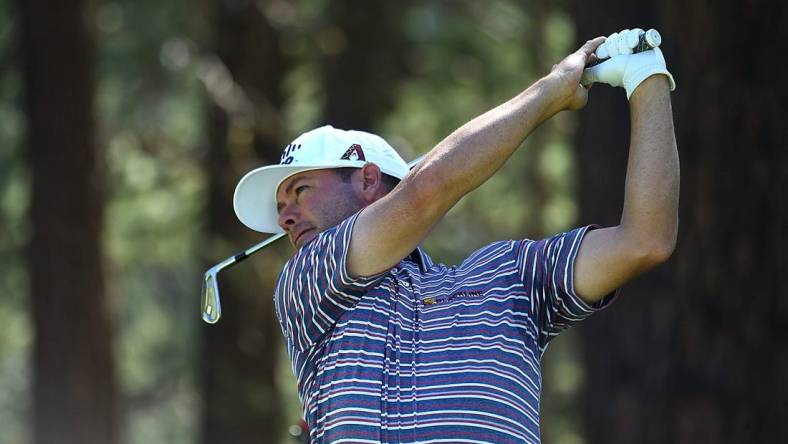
648, 40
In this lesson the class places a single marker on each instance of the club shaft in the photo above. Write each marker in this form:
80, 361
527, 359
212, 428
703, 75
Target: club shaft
232, 260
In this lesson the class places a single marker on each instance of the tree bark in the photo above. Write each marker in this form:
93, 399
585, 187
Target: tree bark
731, 355
694, 351
240, 353
74, 397
364, 51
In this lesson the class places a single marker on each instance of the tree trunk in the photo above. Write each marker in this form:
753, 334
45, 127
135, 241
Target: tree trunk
695, 351
364, 61
731, 350
74, 399
240, 353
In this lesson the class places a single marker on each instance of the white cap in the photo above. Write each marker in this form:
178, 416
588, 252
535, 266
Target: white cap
325, 147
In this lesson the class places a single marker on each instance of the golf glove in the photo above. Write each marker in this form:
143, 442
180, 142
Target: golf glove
623, 68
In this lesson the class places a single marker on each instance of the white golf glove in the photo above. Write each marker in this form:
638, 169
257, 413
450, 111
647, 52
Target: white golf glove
624, 68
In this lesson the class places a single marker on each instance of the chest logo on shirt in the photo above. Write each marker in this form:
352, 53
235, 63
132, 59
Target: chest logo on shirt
354, 153
452, 297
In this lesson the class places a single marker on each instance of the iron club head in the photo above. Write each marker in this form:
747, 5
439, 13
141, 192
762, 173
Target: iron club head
211, 306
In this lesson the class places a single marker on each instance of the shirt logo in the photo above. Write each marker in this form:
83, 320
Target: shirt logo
451, 297
353, 153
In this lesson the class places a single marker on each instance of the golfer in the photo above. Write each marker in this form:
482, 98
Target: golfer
388, 346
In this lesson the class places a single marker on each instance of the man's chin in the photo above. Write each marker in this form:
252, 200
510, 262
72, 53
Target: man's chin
307, 236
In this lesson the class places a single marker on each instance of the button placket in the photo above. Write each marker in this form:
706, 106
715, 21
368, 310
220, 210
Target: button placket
401, 275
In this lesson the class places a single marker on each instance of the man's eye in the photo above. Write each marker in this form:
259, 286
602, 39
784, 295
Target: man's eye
300, 189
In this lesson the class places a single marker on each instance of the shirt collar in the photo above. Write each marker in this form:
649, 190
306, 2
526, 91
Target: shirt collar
421, 258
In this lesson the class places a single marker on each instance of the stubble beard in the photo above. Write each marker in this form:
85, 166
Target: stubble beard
333, 213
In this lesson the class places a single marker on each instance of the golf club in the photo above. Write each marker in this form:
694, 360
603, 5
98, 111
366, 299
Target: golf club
211, 304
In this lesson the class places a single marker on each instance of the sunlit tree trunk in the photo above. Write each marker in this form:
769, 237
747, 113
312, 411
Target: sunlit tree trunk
695, 351
74, 399
240, 353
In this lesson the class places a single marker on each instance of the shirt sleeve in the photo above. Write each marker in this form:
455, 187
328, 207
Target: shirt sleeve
315, 289
547, 268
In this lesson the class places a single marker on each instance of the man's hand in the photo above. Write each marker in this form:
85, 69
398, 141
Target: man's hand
624, 68
569, 93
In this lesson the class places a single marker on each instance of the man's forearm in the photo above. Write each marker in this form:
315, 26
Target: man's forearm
650, 214
457, 165
476, 150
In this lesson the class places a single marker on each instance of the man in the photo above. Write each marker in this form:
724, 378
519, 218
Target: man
388, 346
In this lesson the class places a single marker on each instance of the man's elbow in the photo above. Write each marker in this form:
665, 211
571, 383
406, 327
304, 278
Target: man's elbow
427, 194
656, 252
662, 252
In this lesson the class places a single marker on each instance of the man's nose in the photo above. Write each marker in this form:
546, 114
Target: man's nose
288, 217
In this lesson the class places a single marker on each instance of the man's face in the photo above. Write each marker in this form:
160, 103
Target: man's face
313, 201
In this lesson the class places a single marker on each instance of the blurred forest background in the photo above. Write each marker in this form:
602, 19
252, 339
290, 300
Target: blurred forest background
125, 124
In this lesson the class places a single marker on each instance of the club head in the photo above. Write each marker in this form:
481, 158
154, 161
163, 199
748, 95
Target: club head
211, 306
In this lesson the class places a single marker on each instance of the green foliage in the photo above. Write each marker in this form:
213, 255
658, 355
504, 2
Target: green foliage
150, 120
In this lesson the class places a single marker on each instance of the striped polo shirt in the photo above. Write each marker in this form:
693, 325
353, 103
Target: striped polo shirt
424, 352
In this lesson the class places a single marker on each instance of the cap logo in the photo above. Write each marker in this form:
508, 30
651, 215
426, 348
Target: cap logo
287, 154
353, 153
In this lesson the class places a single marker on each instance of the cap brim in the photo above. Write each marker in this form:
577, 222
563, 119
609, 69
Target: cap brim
254, 200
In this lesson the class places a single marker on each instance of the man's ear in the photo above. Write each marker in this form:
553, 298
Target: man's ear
371, 182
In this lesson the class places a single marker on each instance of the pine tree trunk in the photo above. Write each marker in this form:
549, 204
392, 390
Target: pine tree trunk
74, 395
